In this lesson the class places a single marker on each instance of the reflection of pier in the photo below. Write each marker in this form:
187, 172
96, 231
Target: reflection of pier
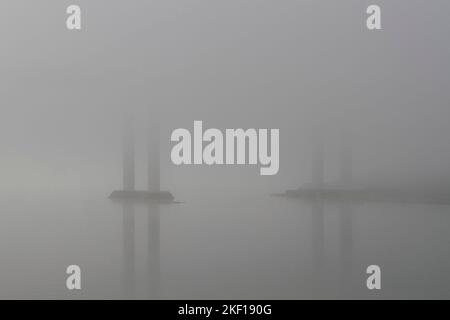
346, 246
153, 253
128, 268
317, 244
153, 275
316, 193
318, 234
345, 242
129, 198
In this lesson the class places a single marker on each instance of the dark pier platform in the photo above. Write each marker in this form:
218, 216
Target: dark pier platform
427, 196
144, 196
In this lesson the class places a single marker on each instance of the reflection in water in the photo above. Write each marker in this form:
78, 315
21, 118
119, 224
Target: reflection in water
128, 270
153, 257
345, 225
153, 270
346, 246
318, 242
225, 259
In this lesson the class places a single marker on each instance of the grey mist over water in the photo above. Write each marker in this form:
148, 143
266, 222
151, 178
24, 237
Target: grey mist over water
355, 109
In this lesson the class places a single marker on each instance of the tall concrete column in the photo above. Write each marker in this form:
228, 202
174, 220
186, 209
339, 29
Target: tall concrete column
318, 164
345, 161
153, 168
128, 155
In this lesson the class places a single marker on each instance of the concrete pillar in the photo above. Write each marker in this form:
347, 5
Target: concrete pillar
318, 164
128, 155
345, 162
153, 168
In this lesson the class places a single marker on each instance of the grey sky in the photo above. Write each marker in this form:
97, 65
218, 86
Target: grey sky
300, 66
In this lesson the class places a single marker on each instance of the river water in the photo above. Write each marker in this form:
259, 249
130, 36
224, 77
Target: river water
243, 247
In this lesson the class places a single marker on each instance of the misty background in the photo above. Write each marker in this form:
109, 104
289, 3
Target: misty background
305, 67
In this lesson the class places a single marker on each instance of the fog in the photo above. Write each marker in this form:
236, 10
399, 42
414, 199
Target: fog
309, 68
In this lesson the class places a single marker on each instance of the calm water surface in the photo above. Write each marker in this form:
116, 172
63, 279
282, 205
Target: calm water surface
241, 247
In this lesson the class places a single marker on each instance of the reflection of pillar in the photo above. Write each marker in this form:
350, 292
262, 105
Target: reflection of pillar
128, 250
153, 159
318, 164
346, 245
153, 258
318, 233
345, 161
128, 155
318, 246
